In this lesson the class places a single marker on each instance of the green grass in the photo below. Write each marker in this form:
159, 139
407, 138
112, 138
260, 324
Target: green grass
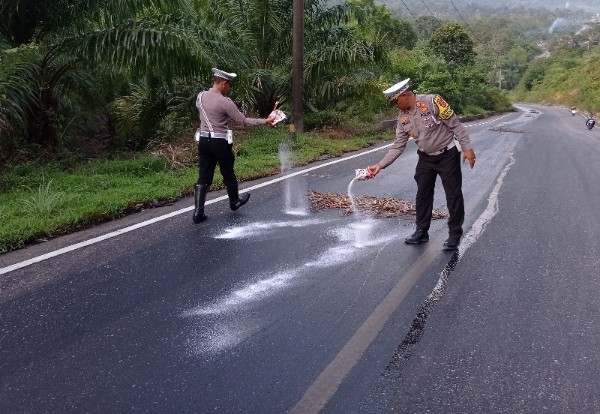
39, 201
43, 200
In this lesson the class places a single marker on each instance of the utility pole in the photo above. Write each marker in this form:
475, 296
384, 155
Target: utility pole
298, 64
500, 79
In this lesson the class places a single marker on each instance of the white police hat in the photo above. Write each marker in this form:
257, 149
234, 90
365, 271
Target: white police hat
223, 75
393, 91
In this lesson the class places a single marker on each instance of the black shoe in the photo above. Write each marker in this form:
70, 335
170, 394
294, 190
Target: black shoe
240, 201
452, 243
419, 236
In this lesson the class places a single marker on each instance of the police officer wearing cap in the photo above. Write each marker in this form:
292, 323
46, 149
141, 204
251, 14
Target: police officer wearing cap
430, 121
215, 141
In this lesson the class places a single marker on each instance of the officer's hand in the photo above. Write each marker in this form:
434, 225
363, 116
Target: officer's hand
270, 120
469, 155
374, 169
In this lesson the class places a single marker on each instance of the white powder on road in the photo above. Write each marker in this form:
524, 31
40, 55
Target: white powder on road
246, 294
217, 329
264, 227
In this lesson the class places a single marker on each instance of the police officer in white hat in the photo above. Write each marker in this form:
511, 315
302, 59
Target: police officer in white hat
215, 141
431, 122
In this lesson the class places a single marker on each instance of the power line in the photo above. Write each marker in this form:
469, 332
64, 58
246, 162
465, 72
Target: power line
399, 17
411, 13
463, 19
427, 7
393, 12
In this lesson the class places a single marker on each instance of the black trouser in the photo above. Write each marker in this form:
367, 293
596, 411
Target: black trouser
210, 152
447, 166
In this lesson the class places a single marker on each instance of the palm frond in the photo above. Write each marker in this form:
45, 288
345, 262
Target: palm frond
145, 47
18, 93
150, 46
23, 22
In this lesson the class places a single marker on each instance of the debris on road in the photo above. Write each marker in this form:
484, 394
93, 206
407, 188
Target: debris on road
505, 129
375, 206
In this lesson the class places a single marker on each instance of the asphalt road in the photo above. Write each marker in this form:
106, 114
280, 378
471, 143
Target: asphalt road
272, 309
518, 328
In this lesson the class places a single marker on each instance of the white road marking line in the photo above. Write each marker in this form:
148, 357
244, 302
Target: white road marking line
488, 214
487, 122
327, 383
119, 232
125, 230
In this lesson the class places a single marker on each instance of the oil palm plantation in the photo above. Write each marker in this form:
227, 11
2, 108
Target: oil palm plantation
65, 63
336, 57
53, 49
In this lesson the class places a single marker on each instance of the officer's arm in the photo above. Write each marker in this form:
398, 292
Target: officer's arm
236, 116
397, 147
463, 138
393, 153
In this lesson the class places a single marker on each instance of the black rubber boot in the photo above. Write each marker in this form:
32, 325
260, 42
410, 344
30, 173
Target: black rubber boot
234, 205
235, 201
200, 199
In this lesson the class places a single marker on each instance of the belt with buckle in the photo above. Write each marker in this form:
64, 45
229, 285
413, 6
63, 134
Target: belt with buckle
450, 146
207, 134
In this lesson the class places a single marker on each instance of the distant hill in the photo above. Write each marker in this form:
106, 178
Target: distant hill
445, 8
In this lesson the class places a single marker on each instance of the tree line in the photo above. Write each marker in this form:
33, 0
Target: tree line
125, 73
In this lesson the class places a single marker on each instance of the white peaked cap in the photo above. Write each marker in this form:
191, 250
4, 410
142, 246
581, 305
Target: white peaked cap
223, 75
393, 91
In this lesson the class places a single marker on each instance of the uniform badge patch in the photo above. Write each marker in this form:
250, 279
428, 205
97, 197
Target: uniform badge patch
428, 121
445, 112
405, 119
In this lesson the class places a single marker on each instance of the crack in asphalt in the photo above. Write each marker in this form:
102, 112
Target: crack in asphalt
417, 327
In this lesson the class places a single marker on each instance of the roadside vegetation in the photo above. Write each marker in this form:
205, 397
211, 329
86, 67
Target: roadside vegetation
97, 98
567, 78
44, 200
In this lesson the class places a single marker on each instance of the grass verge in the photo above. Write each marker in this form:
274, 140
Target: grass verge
40, 201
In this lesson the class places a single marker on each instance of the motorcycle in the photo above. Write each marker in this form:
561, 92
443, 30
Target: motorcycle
590, 123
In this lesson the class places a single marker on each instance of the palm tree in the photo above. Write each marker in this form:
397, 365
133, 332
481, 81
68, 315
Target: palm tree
56, 42
335, 55
54, 52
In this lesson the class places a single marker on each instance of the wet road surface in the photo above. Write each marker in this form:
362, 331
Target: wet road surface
273, 309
